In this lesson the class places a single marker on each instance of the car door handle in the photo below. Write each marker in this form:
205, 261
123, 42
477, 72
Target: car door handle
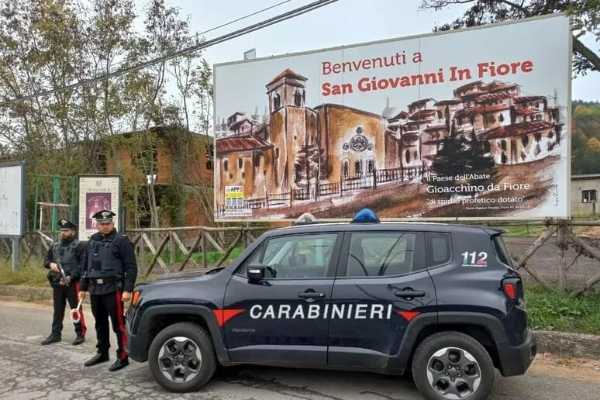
409, 294
311, 295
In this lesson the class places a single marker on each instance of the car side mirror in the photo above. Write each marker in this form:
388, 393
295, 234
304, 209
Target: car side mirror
255, 273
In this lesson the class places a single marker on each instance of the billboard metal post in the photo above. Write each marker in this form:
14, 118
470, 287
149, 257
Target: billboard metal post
15, 254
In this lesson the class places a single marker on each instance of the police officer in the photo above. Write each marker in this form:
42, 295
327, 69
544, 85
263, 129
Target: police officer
63, 260
109, 275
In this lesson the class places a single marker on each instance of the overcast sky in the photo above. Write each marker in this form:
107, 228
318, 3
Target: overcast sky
341, 23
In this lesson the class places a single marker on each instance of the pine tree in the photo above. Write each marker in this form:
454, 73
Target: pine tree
449, 161
480, 161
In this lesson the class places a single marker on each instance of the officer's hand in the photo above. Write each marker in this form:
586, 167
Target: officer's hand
54, 267
67, 281
126, 296
82, 296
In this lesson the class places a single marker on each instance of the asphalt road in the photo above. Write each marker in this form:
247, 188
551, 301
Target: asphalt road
30, 371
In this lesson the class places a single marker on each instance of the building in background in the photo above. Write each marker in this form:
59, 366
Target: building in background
182, 174
584, 195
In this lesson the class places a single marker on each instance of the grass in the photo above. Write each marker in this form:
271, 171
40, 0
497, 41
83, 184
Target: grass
556, 311
31, 275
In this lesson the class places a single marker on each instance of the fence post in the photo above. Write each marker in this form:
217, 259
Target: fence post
15, 254
374, 178
172, 249
563, 234
342, 185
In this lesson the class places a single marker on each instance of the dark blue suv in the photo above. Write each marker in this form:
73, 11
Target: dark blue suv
438, 300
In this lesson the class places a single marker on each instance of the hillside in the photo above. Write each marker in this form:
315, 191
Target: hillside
586, 138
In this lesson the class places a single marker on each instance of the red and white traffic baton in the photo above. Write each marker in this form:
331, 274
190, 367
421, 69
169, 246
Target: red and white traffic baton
76, 313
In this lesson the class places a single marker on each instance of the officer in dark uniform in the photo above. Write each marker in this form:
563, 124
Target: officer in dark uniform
109, 275
63, 260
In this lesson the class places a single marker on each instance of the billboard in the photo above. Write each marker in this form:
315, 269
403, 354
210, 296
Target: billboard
97, 193
464, 124
12, 199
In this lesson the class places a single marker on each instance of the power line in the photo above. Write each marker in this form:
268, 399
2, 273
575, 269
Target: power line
191, 49
214, 28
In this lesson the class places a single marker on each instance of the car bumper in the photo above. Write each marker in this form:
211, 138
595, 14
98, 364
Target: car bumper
514, 360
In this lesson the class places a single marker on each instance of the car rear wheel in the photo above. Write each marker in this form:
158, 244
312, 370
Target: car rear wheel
452, 365
182, 358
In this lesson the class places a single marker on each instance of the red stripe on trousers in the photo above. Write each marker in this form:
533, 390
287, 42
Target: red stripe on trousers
80, 312
121, 325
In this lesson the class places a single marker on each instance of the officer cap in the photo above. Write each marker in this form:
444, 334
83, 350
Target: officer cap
66, 224
104, 216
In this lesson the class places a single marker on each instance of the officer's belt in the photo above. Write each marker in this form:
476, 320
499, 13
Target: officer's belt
103, 281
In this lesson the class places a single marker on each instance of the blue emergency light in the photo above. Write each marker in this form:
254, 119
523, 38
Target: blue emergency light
366, 215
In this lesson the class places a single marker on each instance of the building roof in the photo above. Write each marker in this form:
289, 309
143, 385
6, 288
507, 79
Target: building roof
400, 115
492, 96
448, 102
468, 86
520, 129
287, 73
525, 99
236, 124
420, 102
481, 110
231, 144
421, 114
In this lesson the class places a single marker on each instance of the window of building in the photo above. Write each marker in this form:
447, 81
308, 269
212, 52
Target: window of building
370, 166
276, 153
382, 254
240, 163
276, 101
407, 156
525, 140
225, 165
256, 161
358, 167
294, 256
209, 165
298, 98
345, 168
503, 144
501, 118
588, 196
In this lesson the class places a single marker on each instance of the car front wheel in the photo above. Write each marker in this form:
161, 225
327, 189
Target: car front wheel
182, 358
452, 365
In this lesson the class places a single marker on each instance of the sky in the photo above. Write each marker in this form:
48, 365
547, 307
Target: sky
342, 23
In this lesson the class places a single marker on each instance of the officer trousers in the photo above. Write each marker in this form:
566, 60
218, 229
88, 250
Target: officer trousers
105, 306
62, 295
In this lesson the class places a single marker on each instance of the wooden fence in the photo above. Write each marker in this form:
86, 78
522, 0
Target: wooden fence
171, 249
203, 247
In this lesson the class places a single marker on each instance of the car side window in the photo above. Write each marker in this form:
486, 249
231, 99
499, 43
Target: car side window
439, 248
294, 256
382, 253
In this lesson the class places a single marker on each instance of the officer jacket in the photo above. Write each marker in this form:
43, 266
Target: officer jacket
109, 256
68, 254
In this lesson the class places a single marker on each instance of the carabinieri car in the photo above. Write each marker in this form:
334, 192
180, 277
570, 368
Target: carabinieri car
441, 301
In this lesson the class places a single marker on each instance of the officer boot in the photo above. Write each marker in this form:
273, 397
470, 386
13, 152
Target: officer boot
117, 365
97, 359
51, 339
78, 340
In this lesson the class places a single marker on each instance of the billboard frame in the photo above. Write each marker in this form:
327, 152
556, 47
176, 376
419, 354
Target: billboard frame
567, 127
21, 164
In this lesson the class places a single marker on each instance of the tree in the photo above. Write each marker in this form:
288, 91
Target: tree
480, 161
585, 16
460, 156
